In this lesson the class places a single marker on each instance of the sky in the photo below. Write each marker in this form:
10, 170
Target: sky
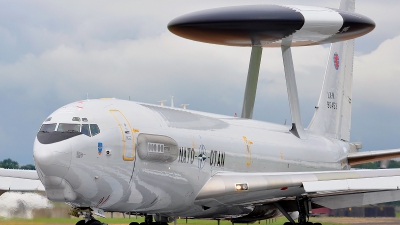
56, 52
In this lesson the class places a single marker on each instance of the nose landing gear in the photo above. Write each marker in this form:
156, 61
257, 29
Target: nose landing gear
87, 215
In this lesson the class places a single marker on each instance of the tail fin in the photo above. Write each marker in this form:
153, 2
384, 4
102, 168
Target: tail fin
332, 117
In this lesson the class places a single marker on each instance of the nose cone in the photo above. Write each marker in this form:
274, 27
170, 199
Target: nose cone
52, 159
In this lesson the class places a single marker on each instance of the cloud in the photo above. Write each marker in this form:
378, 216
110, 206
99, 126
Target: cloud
55, 53
377, 75
151, 68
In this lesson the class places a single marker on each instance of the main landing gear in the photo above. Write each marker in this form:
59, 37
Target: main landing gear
303, 204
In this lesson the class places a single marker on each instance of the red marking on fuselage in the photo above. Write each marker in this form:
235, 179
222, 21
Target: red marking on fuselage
101, 200
106, 200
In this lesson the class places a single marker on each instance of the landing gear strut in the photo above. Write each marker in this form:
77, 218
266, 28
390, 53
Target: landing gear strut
87, 215
303, 208
303, 204
148, 219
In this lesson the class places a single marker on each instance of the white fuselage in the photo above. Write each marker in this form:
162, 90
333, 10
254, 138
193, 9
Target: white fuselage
156, 159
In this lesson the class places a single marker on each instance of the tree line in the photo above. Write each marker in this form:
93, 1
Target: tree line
376, 165
11, 164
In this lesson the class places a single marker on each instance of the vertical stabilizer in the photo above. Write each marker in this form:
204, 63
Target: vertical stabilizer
333, 112
348, 5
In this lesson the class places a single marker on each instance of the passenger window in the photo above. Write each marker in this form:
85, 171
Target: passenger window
94, 129
67, 127
85, 129
48, 127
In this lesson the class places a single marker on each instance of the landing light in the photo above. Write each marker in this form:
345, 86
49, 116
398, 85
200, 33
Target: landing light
241, 187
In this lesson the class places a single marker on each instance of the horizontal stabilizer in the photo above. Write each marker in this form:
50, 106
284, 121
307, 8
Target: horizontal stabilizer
356, 158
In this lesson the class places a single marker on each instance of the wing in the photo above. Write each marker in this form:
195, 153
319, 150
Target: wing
20, 180
332, 189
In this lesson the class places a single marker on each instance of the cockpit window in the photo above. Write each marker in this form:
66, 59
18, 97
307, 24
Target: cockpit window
85, 129
94, 129
48, 127
67, 127
89, 130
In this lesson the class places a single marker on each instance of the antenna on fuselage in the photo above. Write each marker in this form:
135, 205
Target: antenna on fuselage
259, 26
162, 102
184, 105
87, 96
172, 101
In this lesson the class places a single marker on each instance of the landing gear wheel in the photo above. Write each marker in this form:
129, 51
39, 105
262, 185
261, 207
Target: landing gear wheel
134, 223
317, 224
80, 222
309, 223
160, 223
94, 222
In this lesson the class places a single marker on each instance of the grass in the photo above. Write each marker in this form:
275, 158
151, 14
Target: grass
126, 221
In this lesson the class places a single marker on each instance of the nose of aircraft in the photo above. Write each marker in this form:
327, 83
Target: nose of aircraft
53, 159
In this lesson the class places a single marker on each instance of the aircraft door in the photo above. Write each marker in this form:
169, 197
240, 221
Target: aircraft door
127, 135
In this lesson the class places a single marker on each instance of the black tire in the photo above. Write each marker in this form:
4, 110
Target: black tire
309, 223
94, 222
317, 223
134, 223
80, 222
287, 223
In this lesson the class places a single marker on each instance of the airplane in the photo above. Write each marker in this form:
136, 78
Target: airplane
111, 155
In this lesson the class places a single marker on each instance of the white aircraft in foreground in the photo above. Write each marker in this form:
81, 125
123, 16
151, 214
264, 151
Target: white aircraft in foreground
163, 162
